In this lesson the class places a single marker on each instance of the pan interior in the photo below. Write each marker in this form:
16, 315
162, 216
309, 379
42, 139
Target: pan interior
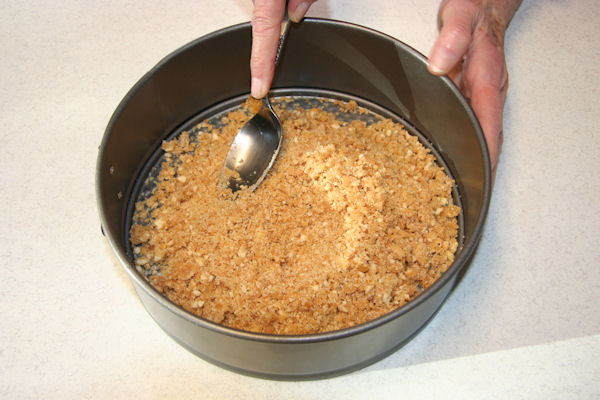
304, 98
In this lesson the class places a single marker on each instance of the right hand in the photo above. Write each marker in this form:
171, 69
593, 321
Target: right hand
266, 27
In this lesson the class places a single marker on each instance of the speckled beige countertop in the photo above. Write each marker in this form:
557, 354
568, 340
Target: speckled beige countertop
524, 322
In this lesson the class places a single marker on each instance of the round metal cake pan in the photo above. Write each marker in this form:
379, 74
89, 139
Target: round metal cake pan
325, 55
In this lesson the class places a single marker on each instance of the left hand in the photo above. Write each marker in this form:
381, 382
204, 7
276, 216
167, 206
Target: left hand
470, 49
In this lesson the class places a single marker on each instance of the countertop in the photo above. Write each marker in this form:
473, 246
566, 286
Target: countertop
523, 322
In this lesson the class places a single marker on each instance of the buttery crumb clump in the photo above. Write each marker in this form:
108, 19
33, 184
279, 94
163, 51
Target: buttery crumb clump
353, 221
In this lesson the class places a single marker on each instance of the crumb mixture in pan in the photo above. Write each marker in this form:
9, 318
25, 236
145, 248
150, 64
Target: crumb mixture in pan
353, 221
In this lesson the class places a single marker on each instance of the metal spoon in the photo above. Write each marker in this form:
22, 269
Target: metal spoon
256, 145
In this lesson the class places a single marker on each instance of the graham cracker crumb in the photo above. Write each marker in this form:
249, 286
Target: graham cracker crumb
352, 222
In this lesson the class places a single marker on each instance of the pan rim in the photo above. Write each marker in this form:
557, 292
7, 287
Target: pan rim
459, 263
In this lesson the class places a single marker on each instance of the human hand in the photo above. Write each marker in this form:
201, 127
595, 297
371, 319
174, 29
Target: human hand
266, 27
470, 49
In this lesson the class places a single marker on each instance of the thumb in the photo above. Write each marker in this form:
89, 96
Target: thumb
297, 9
457, 21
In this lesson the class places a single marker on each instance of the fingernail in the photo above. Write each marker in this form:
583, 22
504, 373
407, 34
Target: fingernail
434, 69
297, 14
258, 88
440, 61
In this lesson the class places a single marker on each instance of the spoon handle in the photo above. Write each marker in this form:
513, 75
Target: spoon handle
285, 27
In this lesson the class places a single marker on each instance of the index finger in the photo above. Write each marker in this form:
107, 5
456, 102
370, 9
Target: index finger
266, 27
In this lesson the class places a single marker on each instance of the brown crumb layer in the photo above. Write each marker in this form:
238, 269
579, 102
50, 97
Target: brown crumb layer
352, 222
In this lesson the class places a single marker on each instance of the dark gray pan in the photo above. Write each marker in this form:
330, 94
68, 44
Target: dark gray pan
323, 58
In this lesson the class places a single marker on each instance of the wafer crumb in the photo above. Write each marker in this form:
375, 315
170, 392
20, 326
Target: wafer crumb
352, 222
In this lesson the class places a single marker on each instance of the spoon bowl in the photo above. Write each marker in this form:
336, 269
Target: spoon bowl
254, 150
